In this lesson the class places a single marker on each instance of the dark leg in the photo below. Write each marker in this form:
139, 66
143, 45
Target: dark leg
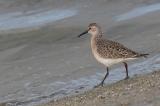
102, 82
126, 67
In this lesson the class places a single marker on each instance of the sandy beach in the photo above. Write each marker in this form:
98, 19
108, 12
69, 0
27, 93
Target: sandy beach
41, 58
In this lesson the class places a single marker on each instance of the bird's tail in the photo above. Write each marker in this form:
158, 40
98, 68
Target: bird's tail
143, 55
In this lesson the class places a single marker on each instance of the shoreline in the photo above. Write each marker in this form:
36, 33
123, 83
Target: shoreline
38, 63
141, 90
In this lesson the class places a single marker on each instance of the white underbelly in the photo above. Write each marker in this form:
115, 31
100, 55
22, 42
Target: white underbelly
110, 62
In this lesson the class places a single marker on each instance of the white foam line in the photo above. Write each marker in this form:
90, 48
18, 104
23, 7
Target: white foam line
147, 66
24, 20
138, 12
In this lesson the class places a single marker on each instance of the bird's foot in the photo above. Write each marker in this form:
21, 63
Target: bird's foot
127, 77
99, 85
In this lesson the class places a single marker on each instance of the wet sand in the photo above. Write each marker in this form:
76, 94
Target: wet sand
141, 90
50, 62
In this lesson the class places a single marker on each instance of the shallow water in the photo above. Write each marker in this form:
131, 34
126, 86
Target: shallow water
138, 12
86, 83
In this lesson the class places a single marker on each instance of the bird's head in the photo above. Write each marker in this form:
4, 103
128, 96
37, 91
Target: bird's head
93, 29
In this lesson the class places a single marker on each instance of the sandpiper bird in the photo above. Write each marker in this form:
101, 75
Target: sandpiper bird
109, 52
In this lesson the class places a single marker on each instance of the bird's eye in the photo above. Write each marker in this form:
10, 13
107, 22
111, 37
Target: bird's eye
93, 29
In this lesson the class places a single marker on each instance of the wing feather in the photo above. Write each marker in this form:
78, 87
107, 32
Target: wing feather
111, 49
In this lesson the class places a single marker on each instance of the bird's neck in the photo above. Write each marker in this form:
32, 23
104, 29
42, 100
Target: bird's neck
97, 36
94, 40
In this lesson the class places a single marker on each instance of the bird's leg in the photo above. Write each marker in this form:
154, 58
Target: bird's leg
102, 82
126, 67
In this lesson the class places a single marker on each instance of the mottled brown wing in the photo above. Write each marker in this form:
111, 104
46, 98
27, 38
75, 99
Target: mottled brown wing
111, 49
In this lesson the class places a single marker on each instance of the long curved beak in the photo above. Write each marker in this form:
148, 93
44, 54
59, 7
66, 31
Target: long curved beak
83, 33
